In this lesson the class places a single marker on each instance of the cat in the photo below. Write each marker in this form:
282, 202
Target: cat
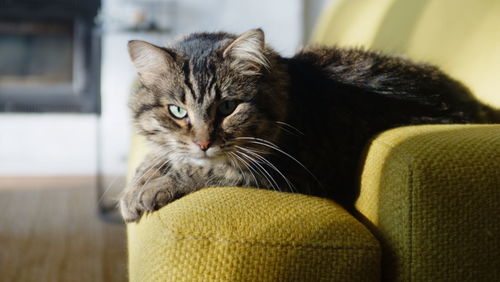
227, 110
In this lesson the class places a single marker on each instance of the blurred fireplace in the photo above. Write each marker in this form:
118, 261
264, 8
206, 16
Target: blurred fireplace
49, 56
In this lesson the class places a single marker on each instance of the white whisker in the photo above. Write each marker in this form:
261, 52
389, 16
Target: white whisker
233, 162
290, 126
153, 163
267, 175
157, 170
287, 130
250, 168
101, 198
269, 144
289, 183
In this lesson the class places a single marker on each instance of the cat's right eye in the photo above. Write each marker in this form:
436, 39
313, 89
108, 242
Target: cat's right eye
177, 112
227, 107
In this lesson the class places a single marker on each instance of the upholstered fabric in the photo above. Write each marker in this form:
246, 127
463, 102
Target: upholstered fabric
431, 195
243, 234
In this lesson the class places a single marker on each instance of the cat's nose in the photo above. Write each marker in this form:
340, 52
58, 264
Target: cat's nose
203, 144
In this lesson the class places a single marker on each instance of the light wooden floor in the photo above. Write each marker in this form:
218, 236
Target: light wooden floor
50, 231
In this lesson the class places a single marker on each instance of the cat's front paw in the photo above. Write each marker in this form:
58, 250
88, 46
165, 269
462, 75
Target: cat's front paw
140, 200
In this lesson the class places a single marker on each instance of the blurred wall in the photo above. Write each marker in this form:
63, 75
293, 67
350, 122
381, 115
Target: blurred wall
311, 12
47, 144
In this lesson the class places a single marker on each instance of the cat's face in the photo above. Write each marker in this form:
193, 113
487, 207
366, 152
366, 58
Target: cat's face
204, 97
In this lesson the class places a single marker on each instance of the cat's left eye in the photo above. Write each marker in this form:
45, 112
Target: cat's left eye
227, 107
177, 111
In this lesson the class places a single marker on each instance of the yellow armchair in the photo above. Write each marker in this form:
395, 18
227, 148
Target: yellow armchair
429, 194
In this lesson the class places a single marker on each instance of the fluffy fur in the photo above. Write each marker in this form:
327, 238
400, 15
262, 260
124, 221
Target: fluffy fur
256, 119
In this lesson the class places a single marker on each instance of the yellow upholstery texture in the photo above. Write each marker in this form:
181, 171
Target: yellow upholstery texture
244, 234
431, 194
138, 151
460, 36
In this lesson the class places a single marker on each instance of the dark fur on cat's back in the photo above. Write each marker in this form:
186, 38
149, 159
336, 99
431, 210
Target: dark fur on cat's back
244, 116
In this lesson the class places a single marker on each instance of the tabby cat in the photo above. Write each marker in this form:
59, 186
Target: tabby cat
226, 110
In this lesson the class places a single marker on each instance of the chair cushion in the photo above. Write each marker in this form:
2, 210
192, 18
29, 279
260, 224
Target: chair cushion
244, 234
431, 194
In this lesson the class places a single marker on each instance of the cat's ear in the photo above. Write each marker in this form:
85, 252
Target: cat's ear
248, 52
149, 60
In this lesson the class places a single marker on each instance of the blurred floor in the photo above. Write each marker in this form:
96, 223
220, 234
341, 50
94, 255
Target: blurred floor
50, 231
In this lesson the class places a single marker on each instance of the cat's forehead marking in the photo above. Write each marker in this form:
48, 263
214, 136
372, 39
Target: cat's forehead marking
199, 69
202, 86
200, 79
186, 68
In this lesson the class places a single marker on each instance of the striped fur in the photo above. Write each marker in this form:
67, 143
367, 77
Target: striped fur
256, 119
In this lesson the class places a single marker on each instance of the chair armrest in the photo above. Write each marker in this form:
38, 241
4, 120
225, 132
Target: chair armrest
244, 234
431, 194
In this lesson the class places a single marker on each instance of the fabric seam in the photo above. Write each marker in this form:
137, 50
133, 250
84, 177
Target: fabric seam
411, 179
276, 245
175, 234
411, 195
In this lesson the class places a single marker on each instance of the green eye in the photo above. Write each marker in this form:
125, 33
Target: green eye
227, 107
177, 111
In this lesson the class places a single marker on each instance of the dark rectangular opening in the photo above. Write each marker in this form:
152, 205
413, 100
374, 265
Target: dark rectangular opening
49, 61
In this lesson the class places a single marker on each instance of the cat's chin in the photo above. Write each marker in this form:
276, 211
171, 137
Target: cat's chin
205, 160
211, 156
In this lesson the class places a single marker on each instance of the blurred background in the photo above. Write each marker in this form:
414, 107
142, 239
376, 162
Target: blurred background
65, 78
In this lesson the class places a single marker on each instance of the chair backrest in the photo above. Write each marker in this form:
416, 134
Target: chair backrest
462, 37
